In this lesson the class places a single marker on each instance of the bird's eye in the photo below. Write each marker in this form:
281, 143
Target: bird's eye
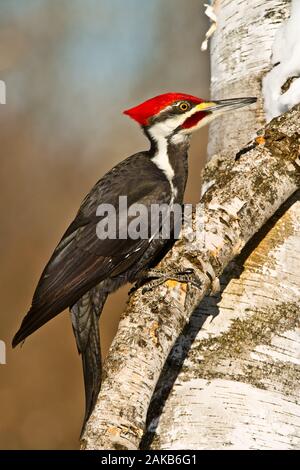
184, 106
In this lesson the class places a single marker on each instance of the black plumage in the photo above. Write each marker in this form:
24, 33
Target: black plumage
84, 269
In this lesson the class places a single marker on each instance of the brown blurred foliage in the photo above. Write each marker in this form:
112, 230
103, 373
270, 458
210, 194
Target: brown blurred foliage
48, 164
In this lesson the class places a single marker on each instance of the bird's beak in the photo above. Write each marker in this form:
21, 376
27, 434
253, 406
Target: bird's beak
224, 105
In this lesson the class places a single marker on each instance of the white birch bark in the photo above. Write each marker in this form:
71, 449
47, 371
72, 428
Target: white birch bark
232, 380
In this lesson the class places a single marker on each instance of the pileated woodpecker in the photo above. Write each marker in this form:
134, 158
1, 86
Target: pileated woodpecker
84, 269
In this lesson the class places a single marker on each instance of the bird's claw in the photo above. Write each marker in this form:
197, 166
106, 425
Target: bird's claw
154, 278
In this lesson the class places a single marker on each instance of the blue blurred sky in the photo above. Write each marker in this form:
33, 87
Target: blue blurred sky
82, 62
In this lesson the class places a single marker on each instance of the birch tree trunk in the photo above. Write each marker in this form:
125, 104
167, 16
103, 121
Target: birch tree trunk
232, 379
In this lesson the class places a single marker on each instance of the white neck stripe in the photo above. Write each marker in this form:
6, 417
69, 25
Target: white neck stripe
161, 158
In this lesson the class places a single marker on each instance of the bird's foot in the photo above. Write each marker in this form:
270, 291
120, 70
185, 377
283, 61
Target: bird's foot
154, 277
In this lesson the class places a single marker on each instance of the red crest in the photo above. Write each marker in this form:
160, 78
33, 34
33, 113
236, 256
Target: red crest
153, 106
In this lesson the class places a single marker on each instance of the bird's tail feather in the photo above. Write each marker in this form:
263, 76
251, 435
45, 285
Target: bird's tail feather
85, 317
35, 318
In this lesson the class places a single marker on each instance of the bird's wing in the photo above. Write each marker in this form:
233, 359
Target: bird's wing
81, 259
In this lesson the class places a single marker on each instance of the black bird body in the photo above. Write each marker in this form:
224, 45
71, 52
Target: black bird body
84, 269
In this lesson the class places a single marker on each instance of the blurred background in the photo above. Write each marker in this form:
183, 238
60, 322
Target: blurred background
71, 67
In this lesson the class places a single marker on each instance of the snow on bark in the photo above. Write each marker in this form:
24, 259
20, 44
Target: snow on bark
286, 66
232, 379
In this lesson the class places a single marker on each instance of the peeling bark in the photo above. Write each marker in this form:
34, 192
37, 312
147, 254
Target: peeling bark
229, 214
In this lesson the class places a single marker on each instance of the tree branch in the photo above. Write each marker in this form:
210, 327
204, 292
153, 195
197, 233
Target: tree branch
244, 196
